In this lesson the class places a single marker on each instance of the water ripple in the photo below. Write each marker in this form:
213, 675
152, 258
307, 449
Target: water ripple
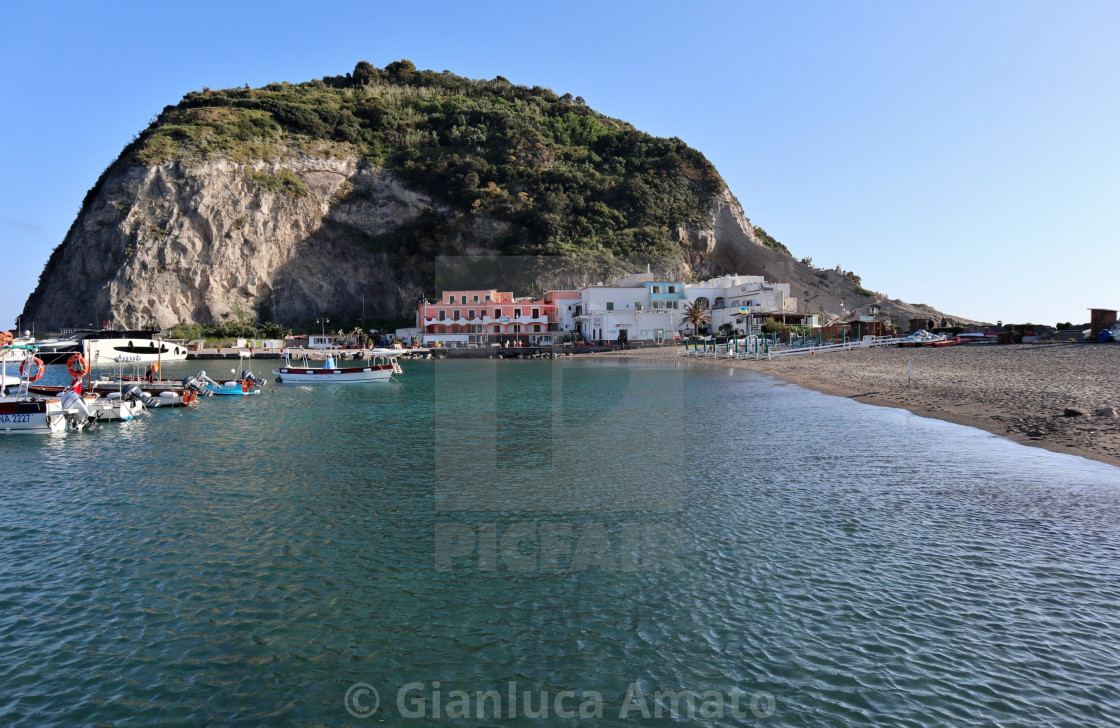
245, 563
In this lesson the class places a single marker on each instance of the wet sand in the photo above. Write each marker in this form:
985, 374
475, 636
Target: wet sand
1018, 391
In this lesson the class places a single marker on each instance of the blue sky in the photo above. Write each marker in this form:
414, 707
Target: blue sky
960, 154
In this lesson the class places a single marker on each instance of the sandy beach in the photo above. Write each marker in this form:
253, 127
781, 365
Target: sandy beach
1018, 391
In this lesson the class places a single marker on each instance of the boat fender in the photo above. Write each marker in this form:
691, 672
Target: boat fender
25, 369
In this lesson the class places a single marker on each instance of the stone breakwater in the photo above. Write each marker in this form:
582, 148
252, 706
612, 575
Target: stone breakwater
1062, 397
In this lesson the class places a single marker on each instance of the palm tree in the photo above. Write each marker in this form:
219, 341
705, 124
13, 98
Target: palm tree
696, 315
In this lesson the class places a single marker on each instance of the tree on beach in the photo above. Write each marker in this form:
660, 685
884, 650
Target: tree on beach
696, 315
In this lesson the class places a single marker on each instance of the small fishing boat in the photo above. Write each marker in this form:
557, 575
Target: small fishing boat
171, 397
21, 412
25, 412
246, 383
124, 402
115, 405
380, 366
233, 387
169, 392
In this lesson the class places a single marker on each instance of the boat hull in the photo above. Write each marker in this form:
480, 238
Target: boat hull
169, 397
105, 351
35, 417
350, 375
233, 388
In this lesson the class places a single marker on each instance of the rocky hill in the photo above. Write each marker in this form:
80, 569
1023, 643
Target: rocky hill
297, 200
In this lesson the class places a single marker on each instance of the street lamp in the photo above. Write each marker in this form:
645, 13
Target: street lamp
323, 327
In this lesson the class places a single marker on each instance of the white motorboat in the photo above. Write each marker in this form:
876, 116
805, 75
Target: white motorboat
20, 412
139, 346
105, 346
380, 366
24, 411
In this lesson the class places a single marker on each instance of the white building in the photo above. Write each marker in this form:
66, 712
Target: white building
641, 311
728, 296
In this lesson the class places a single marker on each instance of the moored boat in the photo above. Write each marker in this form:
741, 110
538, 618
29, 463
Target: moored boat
380, 366
141, 346
31, 415
234, 387
22, 412
246, 383
105, 346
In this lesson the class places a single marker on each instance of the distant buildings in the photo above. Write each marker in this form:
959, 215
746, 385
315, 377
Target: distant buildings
485, 317
637, 308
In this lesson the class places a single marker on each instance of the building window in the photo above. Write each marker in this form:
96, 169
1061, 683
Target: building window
536, 313
610, 305
497, 313
455, 315
672, 289
442, 315
536, 328
487, 297
464, 298
451, 299
470, 314
517, 328
517, 313
656, 289
475, 299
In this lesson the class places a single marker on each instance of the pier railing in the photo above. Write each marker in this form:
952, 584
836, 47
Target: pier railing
759, 347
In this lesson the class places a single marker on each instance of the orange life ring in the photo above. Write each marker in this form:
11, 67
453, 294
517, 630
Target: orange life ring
24, 367
76, 365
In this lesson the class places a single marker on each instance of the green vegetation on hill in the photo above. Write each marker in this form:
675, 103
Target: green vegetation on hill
770, 242
569, 180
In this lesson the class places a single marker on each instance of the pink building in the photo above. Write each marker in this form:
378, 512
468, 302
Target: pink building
486, 317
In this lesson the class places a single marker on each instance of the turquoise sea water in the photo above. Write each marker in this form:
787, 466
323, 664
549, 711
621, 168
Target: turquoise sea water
589, 533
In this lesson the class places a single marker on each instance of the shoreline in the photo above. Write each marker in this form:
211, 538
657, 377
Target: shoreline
1019, 392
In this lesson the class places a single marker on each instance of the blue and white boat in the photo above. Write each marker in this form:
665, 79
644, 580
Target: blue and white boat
380, 366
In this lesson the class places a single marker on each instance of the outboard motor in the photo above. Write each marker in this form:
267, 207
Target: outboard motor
191, 383
134, 393
247, 376
77, 414
203, 379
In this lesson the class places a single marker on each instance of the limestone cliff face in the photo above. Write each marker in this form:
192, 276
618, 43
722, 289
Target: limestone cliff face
197, 243
295, 238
